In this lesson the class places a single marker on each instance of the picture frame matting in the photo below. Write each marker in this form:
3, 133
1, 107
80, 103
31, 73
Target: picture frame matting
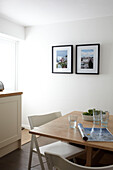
62, 59
87, 59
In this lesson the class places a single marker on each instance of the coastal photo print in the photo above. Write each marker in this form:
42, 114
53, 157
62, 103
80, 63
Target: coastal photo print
62, 59
87, 58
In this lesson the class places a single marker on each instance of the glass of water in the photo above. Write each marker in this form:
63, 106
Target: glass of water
104, 119
96, 117
72, 121
107, 114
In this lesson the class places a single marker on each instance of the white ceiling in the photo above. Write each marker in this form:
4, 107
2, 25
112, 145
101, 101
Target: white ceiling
35, 12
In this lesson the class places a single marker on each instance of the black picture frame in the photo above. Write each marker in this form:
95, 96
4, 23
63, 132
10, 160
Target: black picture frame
87, 59
62, 59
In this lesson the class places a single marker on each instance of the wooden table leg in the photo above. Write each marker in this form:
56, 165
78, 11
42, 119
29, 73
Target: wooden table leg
88, 155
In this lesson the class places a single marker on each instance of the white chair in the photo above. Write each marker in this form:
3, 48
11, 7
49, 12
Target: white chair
60, 163
64, 149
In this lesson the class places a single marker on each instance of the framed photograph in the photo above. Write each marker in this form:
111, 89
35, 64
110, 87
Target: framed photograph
87, 58
62, 59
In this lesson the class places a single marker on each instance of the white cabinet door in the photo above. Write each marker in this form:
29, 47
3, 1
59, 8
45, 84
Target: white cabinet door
10, 120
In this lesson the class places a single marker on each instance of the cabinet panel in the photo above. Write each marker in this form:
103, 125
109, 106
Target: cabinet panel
10, 120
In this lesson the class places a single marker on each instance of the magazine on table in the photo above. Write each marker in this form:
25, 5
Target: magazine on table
95, 134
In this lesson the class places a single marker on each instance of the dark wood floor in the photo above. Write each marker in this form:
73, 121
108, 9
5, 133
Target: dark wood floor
18, 159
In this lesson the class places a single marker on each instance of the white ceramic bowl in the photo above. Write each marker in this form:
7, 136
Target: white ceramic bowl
86, 117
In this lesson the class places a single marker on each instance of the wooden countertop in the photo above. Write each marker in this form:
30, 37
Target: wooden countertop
9, 93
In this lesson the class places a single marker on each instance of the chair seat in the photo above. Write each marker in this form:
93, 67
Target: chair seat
64, 149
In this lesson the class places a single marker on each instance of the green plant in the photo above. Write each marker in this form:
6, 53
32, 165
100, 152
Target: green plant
85, 113
89, 113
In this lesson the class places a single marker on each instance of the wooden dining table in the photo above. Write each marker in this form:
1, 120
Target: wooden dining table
59, 129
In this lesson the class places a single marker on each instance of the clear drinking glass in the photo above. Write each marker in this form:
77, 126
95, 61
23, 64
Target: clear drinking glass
72, 121
96, 117
104, 119
107, 114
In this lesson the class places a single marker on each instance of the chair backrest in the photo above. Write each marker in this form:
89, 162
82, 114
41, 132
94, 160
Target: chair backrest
38, 120
56, 161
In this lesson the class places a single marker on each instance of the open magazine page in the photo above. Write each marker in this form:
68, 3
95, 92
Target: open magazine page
95, 134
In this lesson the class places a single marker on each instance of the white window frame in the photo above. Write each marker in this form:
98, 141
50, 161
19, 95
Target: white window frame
15, 85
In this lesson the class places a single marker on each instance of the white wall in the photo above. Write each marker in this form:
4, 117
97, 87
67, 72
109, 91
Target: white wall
11, 29
45, 92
